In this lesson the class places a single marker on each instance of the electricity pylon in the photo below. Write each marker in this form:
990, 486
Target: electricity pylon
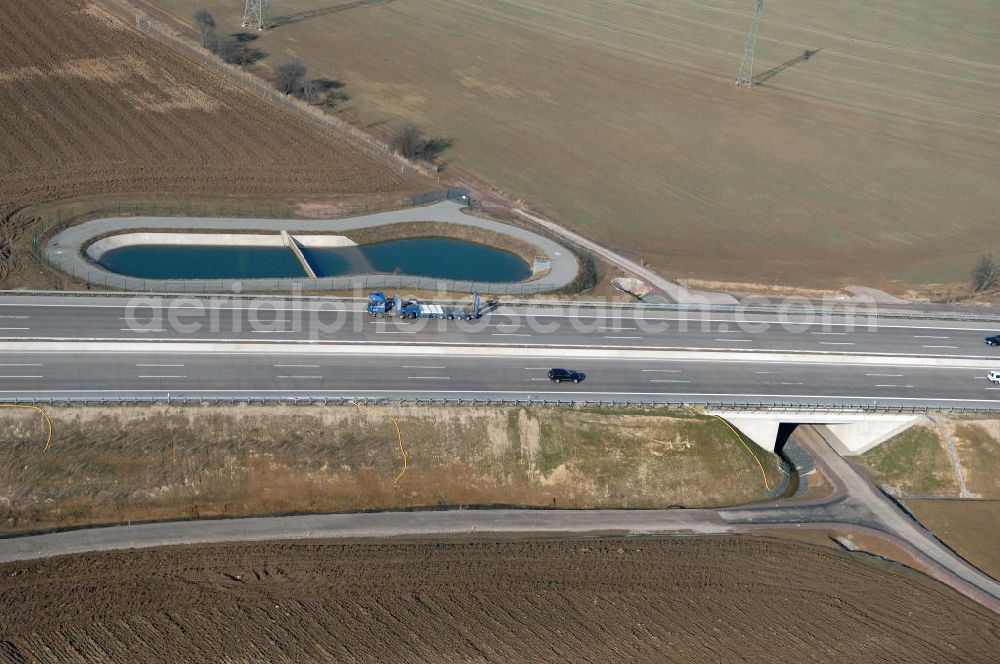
257, 14
745, 77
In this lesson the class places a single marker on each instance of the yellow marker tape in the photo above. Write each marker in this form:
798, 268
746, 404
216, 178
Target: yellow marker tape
399, 435
48, 442
759, 464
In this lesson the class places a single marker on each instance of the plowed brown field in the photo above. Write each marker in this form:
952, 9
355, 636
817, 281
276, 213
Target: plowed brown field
91, 107
719, 600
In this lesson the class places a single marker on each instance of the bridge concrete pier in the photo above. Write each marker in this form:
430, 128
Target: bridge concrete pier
293, 244
853, 433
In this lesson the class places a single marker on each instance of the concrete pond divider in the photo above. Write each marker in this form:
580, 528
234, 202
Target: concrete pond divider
75, 251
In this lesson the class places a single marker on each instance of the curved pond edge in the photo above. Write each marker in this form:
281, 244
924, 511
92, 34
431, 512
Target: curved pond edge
66, 252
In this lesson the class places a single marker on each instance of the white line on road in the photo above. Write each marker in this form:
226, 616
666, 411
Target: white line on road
135, 329
6, 377
417, 366
295, 366
792, 383
836, 343
607, 337
928, 336
886, 375
297, 377
536, 368
14, 317
939, 346
834, 333
429, 377
740, 340
538, 379
15, 328
887, 386
765, 372
664, 380
38, 364
616, 329
159, 365
509, 334
272, 331
395, 332
662, 370
162, 376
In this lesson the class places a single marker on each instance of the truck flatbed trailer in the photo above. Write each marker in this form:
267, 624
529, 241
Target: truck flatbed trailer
380, 306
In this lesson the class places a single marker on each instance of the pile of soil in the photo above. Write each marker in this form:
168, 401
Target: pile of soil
653, 600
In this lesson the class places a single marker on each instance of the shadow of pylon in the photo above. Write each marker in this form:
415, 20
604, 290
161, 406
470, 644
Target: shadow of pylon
774, 71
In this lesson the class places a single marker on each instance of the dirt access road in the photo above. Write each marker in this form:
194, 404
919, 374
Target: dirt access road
733, 599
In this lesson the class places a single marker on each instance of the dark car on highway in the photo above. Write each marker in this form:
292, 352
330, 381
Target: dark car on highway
993, 341
559, 375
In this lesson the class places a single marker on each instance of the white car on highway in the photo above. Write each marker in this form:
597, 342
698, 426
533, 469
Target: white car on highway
993, 376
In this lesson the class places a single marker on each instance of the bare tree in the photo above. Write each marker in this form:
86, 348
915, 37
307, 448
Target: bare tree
289, 76
986, 274
205, 23
233, 51
310, 90
409, 141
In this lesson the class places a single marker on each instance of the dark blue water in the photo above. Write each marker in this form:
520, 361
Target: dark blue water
437, 257
440, 258
159, 261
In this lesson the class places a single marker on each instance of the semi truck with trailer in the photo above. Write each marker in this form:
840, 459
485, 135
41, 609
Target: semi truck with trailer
381, 306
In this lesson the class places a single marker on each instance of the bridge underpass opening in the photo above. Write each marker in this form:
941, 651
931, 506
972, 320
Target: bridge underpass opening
851, 434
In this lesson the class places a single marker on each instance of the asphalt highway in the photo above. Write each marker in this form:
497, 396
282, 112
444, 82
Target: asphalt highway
196, 319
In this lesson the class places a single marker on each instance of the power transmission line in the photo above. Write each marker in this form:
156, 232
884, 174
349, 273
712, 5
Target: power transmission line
257, 14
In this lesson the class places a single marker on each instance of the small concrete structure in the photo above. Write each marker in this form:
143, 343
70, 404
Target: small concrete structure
853, 433
290, 242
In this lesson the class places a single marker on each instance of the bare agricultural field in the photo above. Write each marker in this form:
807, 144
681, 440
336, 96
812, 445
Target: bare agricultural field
89, 107
873, 161
970, 527
117, 464
733, 599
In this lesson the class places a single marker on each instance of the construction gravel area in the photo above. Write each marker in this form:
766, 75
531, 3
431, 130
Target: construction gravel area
91, 107
733, 599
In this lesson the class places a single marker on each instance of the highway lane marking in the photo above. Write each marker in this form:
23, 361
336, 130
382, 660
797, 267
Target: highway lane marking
295, 366
429, 377
939, 346
395, 331
616, 329
739, 340
509, 334
360, 312
665, 380
273, 331
793, 383
159, 365
836, 343
928, 336
904, 386
11, 377
417, 366
38, 364
300, 377
834, 333
14, 317
138, 329
162, 376
607, 337
15, 328
662, 370
881, 375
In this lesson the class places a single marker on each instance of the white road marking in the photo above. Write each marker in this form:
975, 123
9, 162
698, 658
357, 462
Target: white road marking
509, 334
662, 370
33, 364
15, 328
939, 346
14, 317
133, 329
159, 365
741, 340
429, 377
616, 329
658, 380
295, 366
728, 331
300, 377
162, 376
9, 377
607, 337
536, 368
538, 379
928, 336
765, 372
395, 331
417, 366
887, 386
886, 375
836, 333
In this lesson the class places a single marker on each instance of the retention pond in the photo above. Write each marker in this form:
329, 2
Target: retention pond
441, 258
